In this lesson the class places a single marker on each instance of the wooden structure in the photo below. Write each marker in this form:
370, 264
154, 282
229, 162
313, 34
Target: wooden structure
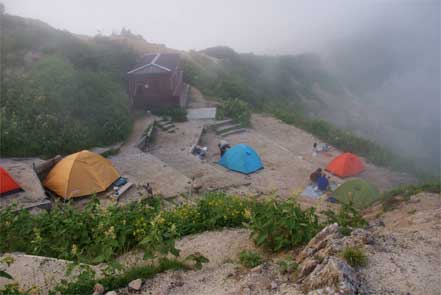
156, 82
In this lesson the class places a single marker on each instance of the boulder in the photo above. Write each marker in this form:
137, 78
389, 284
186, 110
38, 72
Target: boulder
321, 270
135, 285
333, 274
98, 289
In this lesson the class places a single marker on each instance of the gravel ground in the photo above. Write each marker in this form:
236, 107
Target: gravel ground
406, 255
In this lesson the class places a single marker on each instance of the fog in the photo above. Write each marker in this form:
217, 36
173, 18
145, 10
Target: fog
386, 53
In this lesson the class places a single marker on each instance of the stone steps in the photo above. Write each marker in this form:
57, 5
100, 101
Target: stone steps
221, 123
166, 125
226, 128
234, 131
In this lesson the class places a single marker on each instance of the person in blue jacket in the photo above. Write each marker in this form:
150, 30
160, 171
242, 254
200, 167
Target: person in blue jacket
322, 182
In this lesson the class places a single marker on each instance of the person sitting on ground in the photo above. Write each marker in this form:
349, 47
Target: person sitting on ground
223, 147
315, 175
322, 183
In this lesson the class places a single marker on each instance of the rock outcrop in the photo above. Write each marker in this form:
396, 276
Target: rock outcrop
322, 270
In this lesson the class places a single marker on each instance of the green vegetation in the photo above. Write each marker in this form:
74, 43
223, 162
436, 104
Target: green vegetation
348, 217
61, 93
288, 266
86, 280
176, 114
13, 289
235, 109
282, 225
390, 198
354, 256
96, 235
250, 258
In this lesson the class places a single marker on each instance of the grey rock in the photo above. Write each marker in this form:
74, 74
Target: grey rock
135, 285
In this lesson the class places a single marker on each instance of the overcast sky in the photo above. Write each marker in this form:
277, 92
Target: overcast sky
259, 26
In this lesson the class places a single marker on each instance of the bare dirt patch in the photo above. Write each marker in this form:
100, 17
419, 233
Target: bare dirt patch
222, 275
406, 257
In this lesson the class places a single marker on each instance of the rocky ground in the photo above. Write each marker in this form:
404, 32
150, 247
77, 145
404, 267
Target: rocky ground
406, 255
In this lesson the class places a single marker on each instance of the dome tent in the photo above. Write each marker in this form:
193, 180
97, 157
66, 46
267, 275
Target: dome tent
81, 174
358, 191
7, 184
345, 165
241, 158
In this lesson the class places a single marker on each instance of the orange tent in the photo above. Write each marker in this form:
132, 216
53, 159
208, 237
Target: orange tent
81, 174
7, 184
345, 165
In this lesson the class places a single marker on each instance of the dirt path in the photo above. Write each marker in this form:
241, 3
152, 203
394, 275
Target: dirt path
141, 168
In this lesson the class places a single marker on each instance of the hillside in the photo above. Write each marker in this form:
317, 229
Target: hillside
300, 90
76, 87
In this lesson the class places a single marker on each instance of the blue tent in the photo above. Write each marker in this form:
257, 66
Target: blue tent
241, 158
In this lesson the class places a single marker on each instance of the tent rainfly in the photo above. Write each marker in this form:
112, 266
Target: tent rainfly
7, 184
345, 165
81, 174
241, 158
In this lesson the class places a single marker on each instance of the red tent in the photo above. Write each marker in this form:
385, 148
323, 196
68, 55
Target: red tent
345, 165
7, 184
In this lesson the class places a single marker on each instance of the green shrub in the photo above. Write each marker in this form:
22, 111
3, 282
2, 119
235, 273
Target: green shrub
176, 114
288, 266
58, 109
13, 289
250, 258
86, 280
96, 235
282, 225
235, 109
354, 256
347, 217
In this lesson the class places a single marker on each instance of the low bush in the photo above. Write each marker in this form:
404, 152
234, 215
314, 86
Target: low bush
281, 225
250, 258
235, 109
347, 217
14, 289
86, 280
59, 109
288, 266
94, 234
354, 256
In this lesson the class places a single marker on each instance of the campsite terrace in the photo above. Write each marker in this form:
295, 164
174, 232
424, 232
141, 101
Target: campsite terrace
172, 171
285, 151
